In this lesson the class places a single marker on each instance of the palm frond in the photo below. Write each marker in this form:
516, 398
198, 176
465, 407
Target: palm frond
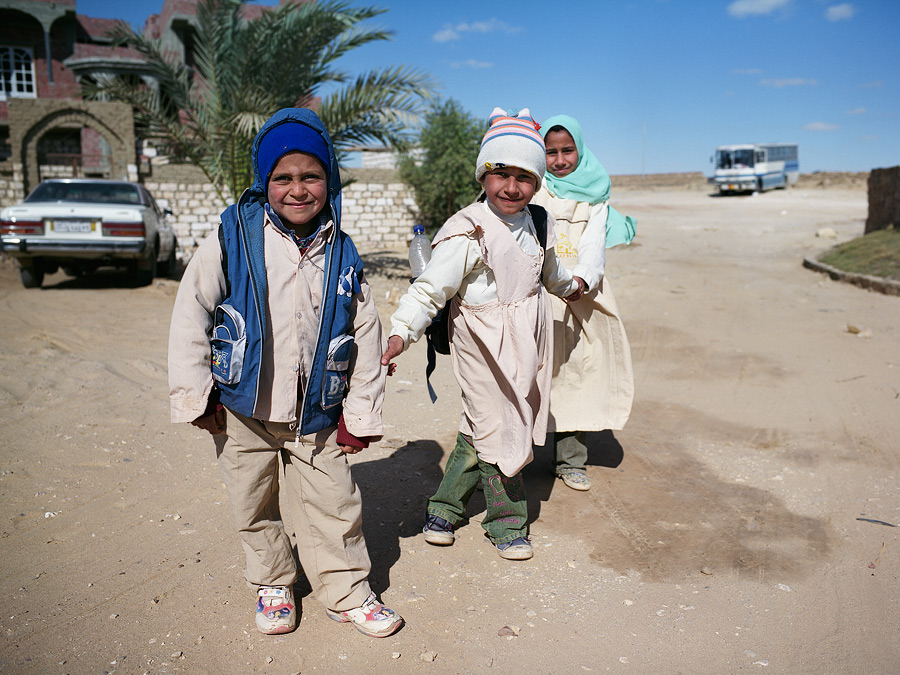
244, 71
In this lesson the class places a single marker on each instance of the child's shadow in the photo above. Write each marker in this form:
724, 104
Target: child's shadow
395, 492
603, 450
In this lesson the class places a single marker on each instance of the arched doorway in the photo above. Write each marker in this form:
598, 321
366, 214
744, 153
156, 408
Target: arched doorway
53, 138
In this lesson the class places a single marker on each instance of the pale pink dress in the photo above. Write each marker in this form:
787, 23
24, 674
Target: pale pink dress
502, 350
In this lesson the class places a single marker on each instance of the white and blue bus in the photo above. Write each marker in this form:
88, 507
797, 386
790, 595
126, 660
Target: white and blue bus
755, 167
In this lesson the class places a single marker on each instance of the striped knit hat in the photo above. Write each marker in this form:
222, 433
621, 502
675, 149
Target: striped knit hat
512, 141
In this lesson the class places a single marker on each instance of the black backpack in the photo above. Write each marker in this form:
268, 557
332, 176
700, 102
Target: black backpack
437, 335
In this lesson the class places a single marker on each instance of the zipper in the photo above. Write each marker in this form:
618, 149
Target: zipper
328, 272
259, 317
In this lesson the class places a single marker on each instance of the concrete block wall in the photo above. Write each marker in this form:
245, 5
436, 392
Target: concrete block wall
378, 210
12, 183
194, 202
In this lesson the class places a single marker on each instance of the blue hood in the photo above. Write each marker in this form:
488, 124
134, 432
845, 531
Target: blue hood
309, 119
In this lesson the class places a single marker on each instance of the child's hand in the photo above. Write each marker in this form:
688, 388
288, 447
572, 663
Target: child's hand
394, 348
349, 449
578, 292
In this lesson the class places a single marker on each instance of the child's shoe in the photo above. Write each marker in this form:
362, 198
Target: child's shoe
577, 480
371, 618
517, 549
438, 531
275, 611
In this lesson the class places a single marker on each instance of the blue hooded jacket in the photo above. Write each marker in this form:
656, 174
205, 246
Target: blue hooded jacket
244, 310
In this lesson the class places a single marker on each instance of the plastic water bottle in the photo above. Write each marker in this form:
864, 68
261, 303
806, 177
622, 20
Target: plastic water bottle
419, 251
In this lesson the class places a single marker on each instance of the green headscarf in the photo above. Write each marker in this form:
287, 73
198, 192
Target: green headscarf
589, 182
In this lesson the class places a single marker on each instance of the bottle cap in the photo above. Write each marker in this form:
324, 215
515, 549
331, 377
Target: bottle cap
418, 229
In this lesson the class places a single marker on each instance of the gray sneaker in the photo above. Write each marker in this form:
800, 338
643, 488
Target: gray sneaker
438, 531
517, 549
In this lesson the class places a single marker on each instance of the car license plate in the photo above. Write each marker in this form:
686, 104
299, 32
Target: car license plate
73, 226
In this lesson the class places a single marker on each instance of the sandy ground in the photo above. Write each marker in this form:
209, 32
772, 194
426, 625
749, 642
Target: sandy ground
724, 531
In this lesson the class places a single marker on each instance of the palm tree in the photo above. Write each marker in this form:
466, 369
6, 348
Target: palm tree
246, 70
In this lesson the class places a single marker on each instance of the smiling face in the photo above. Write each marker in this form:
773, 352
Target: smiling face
509, 188
298, 190
562, 155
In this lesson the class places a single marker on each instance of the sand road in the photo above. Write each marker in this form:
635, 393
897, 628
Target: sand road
735, 525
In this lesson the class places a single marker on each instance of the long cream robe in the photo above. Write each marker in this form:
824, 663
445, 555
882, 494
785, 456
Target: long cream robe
593, 379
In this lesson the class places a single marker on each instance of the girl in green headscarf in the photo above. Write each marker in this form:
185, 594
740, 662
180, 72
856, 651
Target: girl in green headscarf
593, 380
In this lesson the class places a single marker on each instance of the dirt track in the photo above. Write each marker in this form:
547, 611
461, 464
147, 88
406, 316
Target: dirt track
723, 532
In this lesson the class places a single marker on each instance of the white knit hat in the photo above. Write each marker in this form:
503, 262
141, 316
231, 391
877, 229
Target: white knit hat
512, 141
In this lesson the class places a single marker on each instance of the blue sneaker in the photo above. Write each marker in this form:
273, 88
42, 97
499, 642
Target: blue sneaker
517, 549
438, 531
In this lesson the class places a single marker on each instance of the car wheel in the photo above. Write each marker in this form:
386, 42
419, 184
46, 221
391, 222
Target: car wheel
145, 271
167, 268
32, 276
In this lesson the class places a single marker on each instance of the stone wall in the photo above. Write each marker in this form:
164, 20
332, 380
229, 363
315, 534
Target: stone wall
884, 199
194, 202
12, 186
378, 210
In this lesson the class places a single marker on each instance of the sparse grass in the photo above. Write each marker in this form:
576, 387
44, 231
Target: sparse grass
875, 254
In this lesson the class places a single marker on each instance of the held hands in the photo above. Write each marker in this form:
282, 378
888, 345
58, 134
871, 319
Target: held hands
575, 294
349, 449
394, 348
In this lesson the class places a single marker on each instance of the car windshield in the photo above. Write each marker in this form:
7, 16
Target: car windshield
103, 193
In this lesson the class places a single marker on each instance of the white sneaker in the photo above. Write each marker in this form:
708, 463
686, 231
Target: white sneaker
275, 611
517, 549
371, 618
577, 480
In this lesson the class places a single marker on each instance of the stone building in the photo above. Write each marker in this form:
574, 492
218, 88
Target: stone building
47, 50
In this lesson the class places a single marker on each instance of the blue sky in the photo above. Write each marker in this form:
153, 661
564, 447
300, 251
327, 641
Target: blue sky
657, 84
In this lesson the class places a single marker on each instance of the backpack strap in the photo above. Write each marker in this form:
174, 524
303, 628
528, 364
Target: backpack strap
539, 216
224, 251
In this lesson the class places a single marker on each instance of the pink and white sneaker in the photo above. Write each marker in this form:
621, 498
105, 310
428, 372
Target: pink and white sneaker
275, 611
371, 618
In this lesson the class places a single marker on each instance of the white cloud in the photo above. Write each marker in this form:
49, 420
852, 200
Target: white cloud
445, 35
472, 63
744, 8
821, 126
454, 32
778, 83
840, 12
857, 111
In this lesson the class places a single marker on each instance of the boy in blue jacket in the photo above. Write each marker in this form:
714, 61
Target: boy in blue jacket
274, 348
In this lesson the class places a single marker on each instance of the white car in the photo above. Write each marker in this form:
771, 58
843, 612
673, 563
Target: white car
81, 224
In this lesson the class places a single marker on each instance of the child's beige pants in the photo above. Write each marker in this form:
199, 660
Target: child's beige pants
323, 505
